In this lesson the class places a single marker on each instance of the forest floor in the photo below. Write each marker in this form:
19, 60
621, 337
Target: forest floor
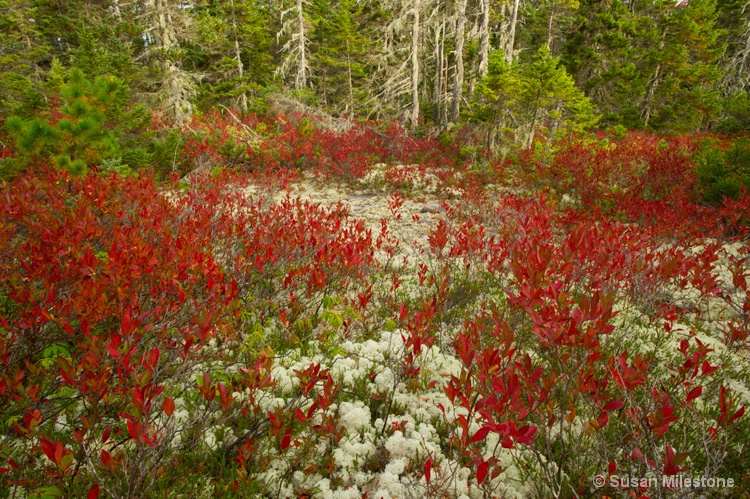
433, 329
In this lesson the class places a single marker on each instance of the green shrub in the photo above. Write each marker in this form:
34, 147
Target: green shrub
93, 125
723, 173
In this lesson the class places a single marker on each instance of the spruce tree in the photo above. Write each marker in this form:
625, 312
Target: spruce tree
533, 96
684, 91
340, 54
233, 51
24, 55
605, 58
548, 97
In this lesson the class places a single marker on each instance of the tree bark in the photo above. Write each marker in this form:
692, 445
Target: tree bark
646, 111
349, 81
414, 114
176, 87
512, 36
238, 56
301, 80
458, 74
439, 60
484, 38
549, 25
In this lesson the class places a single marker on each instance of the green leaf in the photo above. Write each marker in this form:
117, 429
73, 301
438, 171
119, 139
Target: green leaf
46, 493
333, 317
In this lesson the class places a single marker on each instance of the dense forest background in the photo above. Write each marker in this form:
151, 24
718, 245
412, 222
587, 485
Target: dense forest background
516, 70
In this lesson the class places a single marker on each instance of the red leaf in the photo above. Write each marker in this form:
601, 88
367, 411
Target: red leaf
736, 415
427, 470
287, 439
93, 493
168, 406
107, 459
135, 430
480, 434
613, 405
59, 452
694, 393
112, 349
482, 471
48, 448
153, 357
707, 368
612, 468
603, 419
300, 415
283, 317
311, 410
403, 312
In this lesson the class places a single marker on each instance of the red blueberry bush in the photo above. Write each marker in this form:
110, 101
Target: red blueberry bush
192, 339
119, 298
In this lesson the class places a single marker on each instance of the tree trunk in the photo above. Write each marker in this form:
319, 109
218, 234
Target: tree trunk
512, 36
414, 114
439, 59
646, 111
534, 119
549, 25
458, 75
736, 78
484, 38
301, 80
237, 54
176, 88
646, 108
349, 81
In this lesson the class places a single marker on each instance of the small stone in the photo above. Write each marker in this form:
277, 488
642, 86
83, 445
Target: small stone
432, 208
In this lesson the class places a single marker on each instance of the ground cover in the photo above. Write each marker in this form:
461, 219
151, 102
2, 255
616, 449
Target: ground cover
365, 313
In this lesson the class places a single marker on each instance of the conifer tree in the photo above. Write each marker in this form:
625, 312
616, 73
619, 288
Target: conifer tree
684, 89
549, 97
295, 57
648, 64
232, 50
341, 49
25, 51
605, 56
81, 138
532, 97
168, 26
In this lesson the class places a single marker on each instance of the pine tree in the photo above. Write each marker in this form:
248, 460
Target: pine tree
82, 137
683, 93
606, 58
648, 64
495, 96
734, 19
549, 97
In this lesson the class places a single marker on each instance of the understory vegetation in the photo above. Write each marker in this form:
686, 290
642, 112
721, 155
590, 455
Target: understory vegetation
570, 313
